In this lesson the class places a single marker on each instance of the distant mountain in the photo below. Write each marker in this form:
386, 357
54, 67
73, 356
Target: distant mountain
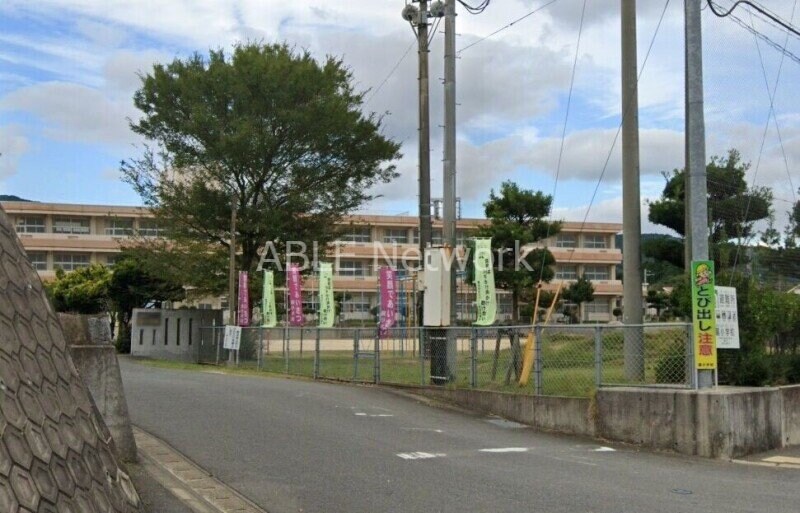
11, 197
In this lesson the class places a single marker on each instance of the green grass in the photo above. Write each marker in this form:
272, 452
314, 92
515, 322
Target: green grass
568, 363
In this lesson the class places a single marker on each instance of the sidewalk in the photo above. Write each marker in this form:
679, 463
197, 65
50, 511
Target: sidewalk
786, 458
171, 482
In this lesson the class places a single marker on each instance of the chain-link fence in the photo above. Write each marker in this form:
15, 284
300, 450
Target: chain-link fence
553, 360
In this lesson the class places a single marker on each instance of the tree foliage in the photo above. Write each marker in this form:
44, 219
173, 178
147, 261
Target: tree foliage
580, 291
733, 206
517, 218
272, 129
82, 291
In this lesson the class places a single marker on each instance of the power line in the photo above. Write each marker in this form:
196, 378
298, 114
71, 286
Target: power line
506, 26
624, 113
564, 130
763, 37
392, 72
475, 9
774, 17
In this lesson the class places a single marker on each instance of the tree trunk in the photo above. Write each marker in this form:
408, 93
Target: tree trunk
515, 306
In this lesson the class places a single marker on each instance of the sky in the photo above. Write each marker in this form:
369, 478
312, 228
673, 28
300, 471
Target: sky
69, 69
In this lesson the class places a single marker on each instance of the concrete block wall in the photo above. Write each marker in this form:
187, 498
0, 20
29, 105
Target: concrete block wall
791, 415
170, 334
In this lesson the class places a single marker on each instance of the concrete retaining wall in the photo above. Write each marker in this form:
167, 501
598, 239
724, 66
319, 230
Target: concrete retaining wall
572, 415
95, 357
791, 415
721, 423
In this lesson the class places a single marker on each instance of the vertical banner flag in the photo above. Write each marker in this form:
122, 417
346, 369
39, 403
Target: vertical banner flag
703, 315
295, 295
486, 298
388, 291
326, 305
269, 316
244, 299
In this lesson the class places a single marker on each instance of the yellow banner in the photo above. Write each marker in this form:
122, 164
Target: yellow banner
704, 315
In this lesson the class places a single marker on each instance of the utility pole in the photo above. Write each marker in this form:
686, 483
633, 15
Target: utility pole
232, 273
449, 181
696, 198
425, 229
632, 315
449, 178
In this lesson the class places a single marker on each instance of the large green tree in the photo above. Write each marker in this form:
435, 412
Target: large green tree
733, 206
519, 218
82, 291
580, 291
277, 132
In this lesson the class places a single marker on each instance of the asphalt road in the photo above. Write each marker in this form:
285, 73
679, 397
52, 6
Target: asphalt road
293, 445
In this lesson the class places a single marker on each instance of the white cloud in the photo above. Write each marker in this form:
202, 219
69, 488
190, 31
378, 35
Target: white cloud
13, 144
72, 112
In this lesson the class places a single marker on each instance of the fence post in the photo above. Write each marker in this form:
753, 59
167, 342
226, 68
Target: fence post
286, 351
421, 337
317, 355
376, 373
260, 347
215, 337
691, 370
473, 358
598, 356
537, 360
356, 340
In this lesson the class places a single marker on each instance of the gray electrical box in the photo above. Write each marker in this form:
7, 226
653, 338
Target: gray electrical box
435, 284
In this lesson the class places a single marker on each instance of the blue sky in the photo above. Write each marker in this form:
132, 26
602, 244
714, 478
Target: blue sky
68, 71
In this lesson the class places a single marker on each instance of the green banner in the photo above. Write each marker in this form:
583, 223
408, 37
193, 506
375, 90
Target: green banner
486, 299
269, 317
704, 315
326, 305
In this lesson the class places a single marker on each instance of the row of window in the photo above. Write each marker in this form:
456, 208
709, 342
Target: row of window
65, 261
363, 235
590, 241
115, 226
591, 272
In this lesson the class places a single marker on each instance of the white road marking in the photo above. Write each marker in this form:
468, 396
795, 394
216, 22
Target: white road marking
423, 429
419, 455
359, 414
782, 459
604, 449
505, 449
362, 414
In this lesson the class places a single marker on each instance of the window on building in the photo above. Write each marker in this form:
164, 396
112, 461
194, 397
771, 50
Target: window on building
357, 234
71, 225
595, 241
566, 240
504, 305
351, 268
38, 260
566, 272
415, 236
596, 272
111, 260
395, 236
598, 306
461, 237
120, 226
356, 306
30, 224
150, 228
70, 261
223, 302
437, 237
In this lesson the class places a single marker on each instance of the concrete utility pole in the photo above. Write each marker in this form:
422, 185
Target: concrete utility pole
696, 199
232, 273
425, 235
449, 181
631, 213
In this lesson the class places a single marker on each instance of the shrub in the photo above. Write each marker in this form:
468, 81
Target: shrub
671, 368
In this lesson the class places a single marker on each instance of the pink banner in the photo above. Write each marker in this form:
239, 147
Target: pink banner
388, 291
244, 299
296, 317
